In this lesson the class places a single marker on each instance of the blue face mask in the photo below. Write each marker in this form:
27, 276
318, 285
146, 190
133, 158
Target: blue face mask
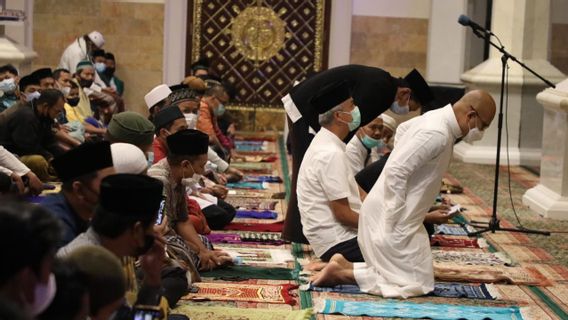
220, 110
356, 118
398, 109
369, 142
100, 66
150, 157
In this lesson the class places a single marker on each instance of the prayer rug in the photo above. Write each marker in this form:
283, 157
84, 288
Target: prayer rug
453, 272
525, 253
272, 179
441, 289
256, 136
258, 227
252, 203
553, 272
262, 238
391, 308
249, 147
507, 238
240, 273
269, 157
246, 185
198, 312
456, 241
558, 294
253, 214
469, 257
262, 257
258, 167
533, 301
222, 291
453, 229
255, 194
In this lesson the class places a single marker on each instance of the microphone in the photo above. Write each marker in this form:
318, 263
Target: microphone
467, 22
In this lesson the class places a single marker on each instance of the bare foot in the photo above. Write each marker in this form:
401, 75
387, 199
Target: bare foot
333, 274
339, 258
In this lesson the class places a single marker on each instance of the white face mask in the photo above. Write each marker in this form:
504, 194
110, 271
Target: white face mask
398, 109
473, 134
65, 91
191, 120
189, 182
8, 86
43, 296
32, 96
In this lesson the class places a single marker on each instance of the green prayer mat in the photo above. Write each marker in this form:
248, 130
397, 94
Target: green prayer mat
227, 313
238, 273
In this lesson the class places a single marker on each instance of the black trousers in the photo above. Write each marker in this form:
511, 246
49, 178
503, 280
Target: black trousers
349, 250
219, 215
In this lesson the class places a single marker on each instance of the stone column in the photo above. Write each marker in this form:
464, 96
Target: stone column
523, 27
550, 197
16, 38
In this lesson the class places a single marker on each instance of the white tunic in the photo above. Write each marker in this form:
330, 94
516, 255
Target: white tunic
392, 238
325, 176
356, 154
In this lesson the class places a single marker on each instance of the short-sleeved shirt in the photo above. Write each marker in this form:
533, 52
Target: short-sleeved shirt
325, 176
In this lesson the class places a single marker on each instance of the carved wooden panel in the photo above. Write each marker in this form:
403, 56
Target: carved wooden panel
260, 46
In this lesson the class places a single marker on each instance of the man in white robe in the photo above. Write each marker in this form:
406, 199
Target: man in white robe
392, 238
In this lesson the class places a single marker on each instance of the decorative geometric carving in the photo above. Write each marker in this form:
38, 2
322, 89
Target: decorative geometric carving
260, 46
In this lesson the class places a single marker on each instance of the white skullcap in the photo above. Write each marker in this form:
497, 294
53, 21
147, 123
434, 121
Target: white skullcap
97, 38
128, 158
389, 122
156, 95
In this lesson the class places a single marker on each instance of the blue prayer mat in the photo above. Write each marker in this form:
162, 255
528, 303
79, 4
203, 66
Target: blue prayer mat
391, 308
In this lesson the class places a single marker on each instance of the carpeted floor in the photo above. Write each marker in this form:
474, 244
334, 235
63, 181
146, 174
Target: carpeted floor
480, 180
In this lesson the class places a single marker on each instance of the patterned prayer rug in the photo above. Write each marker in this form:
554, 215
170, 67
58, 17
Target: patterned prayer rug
217, 291
521, 253
260, 227
196, 312
439, 240
259, 256
257, 178
240, 273
453, 229
452, 272
416, 311
256, 214
441, 289
469, 257
257, 167
244, 238
255, 194
252, 203
246, 185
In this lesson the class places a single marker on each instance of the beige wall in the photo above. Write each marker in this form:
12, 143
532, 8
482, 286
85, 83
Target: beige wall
132, 31
394, 44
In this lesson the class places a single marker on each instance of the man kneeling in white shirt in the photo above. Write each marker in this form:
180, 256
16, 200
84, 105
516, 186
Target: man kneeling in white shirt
328, 196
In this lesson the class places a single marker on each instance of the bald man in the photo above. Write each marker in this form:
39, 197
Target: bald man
392, 238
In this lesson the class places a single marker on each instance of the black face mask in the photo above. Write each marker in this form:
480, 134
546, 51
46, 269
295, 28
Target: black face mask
73, 101
85, 83
109, 71
148, 244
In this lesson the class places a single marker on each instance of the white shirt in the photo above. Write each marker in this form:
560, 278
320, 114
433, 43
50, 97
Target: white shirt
356, 154
73, 54
325, 176
392, 238
10, 164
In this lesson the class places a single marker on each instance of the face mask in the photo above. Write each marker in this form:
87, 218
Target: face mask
398, 109
8, 86
191, 120
355, 119
73, 101
150, 157
43, 296
148, 244
220, 110
473, 134
85, 83
65, 91
369, 142
32, 96
196, 176
100, 67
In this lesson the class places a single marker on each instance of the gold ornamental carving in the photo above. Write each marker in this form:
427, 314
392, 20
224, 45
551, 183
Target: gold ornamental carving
258, 33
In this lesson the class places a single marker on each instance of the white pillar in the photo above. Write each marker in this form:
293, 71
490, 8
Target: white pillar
175, 21
445, 63
523, 27
16, 41
340, 33
550, 197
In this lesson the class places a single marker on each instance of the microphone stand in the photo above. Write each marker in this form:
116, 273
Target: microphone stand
494, 224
